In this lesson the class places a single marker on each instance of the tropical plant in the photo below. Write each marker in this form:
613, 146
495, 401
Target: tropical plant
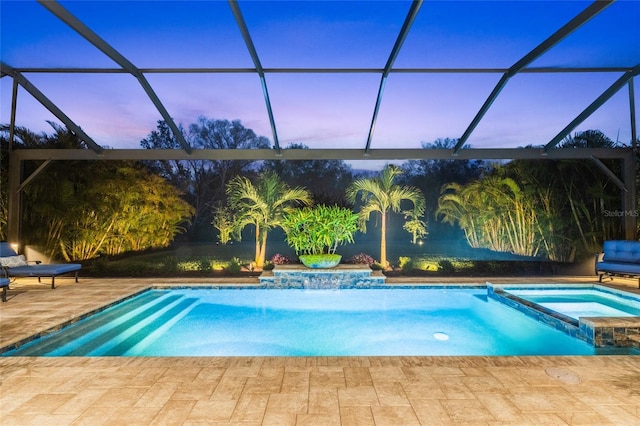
234, 266
263, 205
79, 210
279, 259
413, 225
320, 229
223, 222
126, 209
446, 266
494, 213
428, 175
382, 195
406, 264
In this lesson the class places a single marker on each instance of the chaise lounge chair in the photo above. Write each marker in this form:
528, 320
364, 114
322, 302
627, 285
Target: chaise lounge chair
17, 266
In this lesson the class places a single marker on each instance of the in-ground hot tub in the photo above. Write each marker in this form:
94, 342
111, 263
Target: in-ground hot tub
601, 315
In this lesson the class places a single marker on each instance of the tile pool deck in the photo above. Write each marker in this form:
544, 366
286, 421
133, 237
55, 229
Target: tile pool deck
574, 390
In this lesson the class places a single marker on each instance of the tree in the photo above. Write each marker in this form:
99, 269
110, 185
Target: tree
223, 221
327, 180
416, 227
263, 205
572, 198
122, 208
80, 209
380, 195
430, 175
203, 182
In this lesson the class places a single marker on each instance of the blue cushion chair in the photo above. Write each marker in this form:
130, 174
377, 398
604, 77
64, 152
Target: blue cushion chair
620, 257
16, 266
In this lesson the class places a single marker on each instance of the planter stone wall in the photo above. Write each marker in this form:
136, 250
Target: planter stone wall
342, 276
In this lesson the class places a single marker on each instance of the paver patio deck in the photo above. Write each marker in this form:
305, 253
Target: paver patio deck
574, 390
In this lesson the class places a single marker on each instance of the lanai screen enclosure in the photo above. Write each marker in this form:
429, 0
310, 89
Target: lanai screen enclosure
353, 80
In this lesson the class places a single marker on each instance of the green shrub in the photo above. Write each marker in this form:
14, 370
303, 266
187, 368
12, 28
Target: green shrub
234, 267
188, 265
406, 264
446, 267
268, 266
169, 264
205, 265
376, 266
425, 264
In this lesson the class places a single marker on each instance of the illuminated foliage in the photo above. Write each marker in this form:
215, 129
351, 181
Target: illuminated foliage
494, 214
223, 221
557, 209
381, 195
263, 204
81, 209
320, 229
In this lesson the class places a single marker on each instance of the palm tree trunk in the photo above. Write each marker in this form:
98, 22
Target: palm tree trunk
263, 251
257, 256
383, 240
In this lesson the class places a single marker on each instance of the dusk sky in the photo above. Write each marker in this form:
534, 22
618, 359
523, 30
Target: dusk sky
325, 110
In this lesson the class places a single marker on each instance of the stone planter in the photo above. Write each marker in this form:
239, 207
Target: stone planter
320, 261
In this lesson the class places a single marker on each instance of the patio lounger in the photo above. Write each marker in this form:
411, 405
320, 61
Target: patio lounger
17, 266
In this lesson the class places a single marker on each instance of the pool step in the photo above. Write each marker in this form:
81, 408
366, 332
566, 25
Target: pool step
83, 337
634, 339
120, 346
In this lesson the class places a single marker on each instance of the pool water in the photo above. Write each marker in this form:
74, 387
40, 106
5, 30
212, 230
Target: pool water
577, 303
233, 322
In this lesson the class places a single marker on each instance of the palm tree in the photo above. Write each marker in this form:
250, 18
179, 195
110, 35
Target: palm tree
381, 195
263, 205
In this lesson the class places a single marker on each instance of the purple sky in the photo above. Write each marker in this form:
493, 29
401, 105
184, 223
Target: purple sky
325, 110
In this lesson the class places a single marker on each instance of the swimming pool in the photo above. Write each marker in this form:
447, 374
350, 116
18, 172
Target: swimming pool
258, 322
